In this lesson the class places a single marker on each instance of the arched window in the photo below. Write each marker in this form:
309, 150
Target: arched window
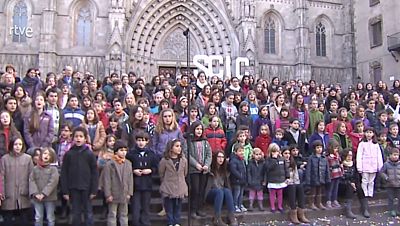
270, 36
84, 26
20, 21
320, 39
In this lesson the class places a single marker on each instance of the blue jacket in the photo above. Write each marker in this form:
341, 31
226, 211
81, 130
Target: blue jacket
317, 171
237, 168
75, 116
315, 136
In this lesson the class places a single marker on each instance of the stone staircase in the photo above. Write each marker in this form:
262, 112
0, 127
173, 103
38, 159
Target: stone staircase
378, 204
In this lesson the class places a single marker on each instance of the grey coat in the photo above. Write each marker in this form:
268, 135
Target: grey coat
115, 183
15, 171
44, 180
391, 174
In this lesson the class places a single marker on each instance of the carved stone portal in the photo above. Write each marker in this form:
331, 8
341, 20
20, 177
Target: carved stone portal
174, 46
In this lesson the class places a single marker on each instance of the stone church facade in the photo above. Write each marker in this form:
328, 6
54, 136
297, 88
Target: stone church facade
296, 39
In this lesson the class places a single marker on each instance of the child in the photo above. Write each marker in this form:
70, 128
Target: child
261, 120
336, 173
43, 183
73, 113
38, 125
317, 175
370, 113
390, 173
215, 135
241, 139
185, 120
351, 181
341, 136
99, 107
7, 132
301, 162
255, 179
369, 161
114, 127
211, 110
118, 184
294, 135
96, 132
277, 174
278, 139
333, 107
228, 113
107, 151
315, 116
244, 117
319, 134
173, 170
283, 120
79, 177
294, 189
200, 161
15, 203
393, 137
382, 124
238, 176
331, 127
264, 139
356, 135
144, 165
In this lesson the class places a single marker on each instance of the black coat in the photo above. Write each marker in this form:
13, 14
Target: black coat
301, 144
256, 174
147, 160
237, 168
79, 170
317, 171
276, 170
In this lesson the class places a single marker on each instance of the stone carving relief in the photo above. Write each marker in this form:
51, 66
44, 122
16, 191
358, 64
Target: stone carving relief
174, 46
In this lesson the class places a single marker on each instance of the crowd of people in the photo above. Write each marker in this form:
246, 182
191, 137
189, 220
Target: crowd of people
72, 137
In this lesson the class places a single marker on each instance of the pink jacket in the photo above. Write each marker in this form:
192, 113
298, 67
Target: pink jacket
369, 157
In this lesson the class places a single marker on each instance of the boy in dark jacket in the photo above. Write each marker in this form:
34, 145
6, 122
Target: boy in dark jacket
237, 167
144, 164
317, 175
391, 174
79, 177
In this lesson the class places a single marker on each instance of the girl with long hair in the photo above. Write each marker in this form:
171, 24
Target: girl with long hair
39, 125
96, 132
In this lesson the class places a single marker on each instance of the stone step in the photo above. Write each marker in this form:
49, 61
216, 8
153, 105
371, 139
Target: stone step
256, 217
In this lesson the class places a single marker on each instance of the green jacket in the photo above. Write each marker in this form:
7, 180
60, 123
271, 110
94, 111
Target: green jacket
314, 117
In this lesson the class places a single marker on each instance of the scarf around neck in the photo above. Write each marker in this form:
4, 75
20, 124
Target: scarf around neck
118, 159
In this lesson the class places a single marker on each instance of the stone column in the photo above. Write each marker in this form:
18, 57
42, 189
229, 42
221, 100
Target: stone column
349, 54
302, 49
247, 34
47, 48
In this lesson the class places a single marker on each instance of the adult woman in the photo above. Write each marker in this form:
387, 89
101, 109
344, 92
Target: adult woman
245, 84
38, 125
215, 97
31, 82
166, 129
218, 189
201, 82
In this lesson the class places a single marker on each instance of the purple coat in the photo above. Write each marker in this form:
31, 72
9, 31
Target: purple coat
43, 137
160, 141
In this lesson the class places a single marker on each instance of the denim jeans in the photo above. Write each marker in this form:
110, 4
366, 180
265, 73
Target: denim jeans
237, 193
81, 203
120, 209
217, 196
50, 207
333, 190
173, 207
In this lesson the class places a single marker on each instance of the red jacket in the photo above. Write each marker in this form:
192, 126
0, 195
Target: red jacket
216, 138
355, 139
263, 142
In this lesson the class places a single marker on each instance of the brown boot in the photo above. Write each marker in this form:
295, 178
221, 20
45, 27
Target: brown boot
293, 217
301, 216
319, 203
217, 221
232, 221
311, 201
